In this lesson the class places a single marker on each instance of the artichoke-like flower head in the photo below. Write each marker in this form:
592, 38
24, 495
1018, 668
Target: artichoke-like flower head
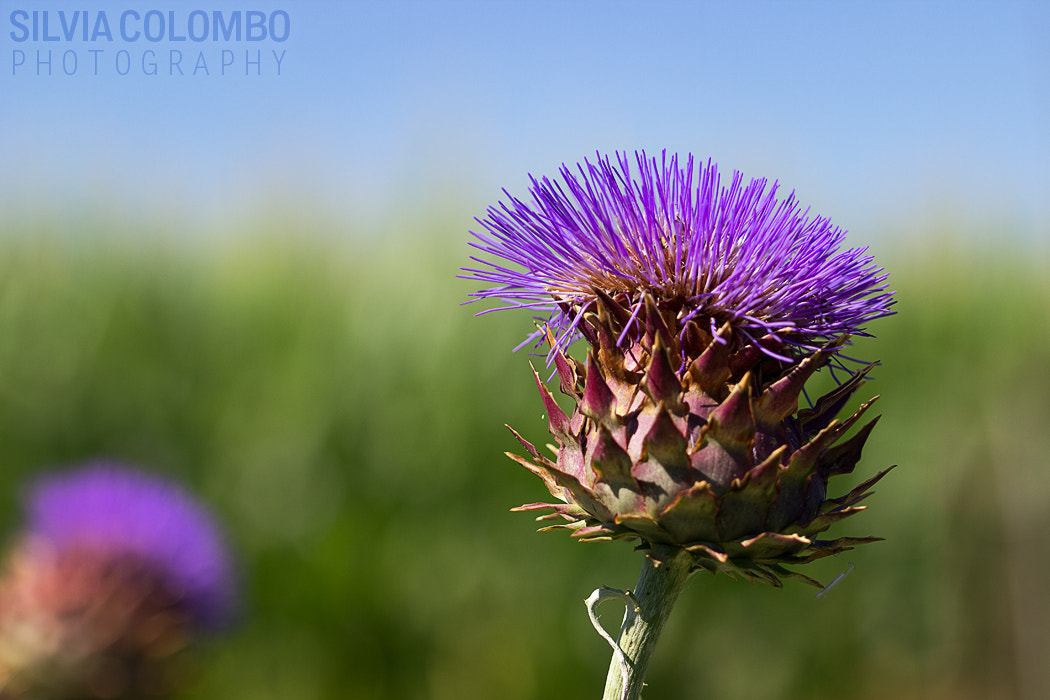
706, 307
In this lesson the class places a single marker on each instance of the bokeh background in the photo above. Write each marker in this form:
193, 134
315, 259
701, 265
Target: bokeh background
248, 281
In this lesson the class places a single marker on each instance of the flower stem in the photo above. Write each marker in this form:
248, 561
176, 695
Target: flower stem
657, 590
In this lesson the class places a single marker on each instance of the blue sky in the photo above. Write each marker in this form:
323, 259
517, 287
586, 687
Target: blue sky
882, 115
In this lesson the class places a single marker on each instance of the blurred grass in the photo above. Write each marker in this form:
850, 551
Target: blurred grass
344, 415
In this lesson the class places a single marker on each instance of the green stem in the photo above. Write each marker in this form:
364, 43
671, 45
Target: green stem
657, 590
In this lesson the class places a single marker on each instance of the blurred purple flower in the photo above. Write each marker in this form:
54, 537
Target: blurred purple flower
113, 575
128, 513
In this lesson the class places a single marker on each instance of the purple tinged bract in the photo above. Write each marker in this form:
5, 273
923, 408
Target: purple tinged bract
124, 512
719, 253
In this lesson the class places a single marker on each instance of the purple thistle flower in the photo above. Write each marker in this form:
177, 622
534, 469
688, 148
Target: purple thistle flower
706, 307
122, 513
711, 253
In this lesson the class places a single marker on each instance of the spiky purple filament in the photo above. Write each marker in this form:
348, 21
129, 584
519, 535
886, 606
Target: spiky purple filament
718, 253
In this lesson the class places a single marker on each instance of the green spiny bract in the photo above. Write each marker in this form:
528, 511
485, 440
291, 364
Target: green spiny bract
690, 441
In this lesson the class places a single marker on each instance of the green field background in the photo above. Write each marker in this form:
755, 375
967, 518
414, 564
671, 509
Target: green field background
322, 388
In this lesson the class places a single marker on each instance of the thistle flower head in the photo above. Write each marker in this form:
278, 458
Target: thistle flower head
706, 308
705, 250
124, 513
114, 573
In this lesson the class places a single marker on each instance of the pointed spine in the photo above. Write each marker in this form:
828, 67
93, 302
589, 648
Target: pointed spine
557, 421
780, 399
841, 459
599, 401
661, 383
829, 405
732, 425
665, 443
710, 371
